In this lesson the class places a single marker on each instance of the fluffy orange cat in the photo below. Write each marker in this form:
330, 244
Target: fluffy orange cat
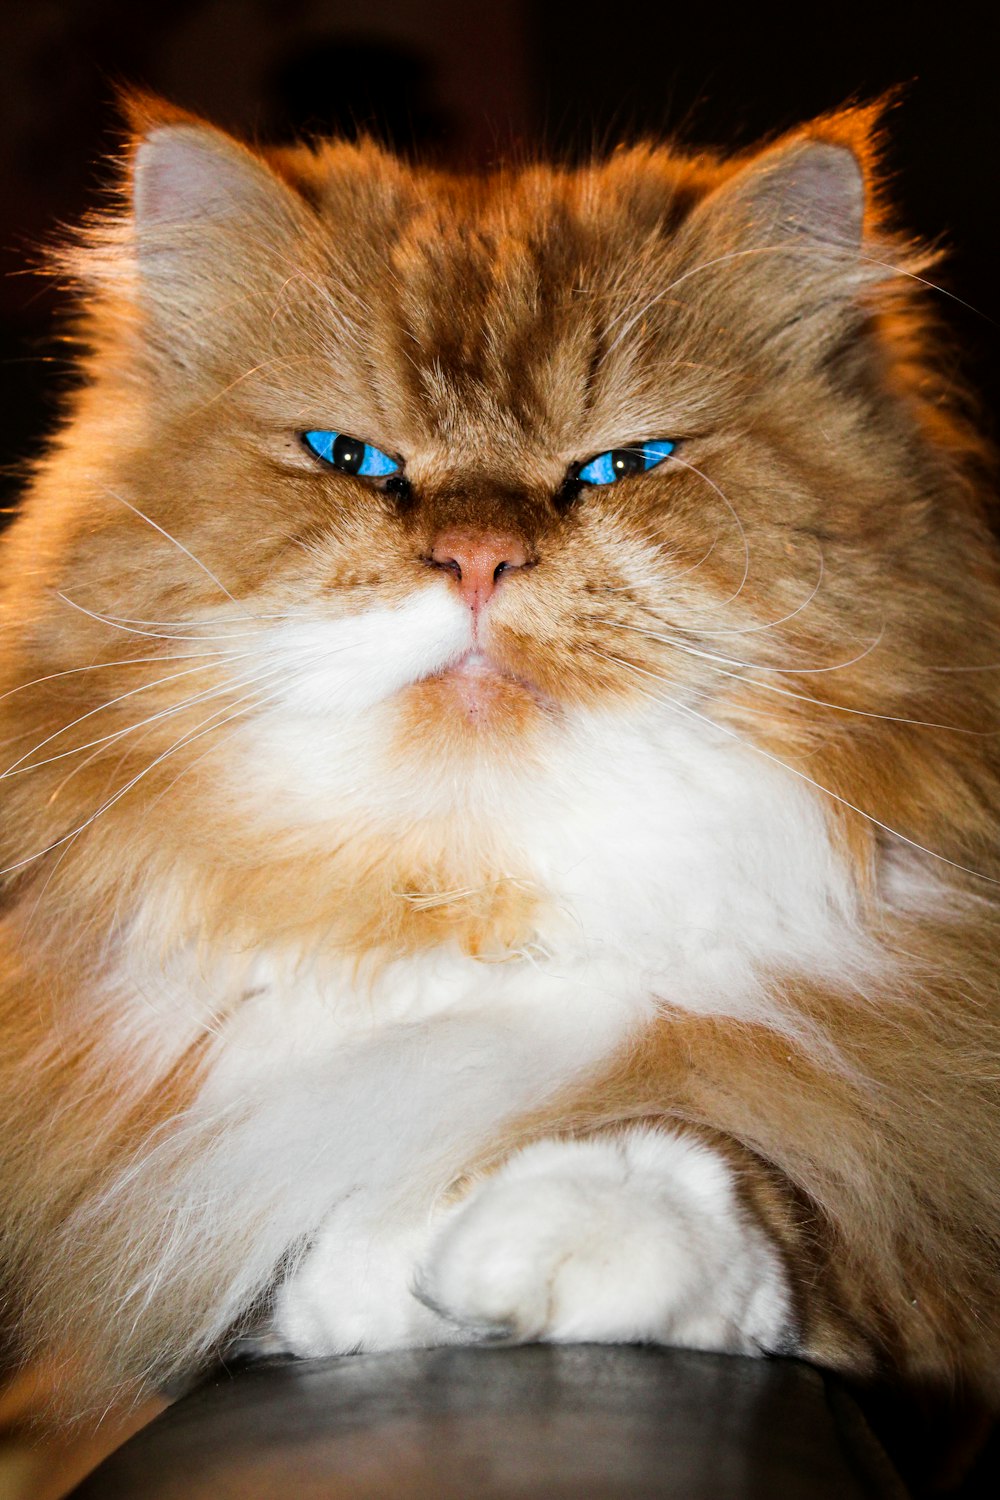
500, 787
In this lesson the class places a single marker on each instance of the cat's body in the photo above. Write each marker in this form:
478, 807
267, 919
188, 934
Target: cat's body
361, 832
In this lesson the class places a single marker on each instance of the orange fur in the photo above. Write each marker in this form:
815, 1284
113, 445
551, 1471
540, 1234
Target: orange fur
511, 325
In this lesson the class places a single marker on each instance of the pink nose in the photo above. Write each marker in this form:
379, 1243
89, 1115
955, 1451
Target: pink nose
478, 562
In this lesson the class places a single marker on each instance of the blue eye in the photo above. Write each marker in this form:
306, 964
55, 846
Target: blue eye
350, 455
618, 463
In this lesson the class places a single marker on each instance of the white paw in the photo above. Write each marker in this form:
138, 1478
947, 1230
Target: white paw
638, 1237
352, 1291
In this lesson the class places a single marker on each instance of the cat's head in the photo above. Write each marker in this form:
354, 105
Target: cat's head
443, 467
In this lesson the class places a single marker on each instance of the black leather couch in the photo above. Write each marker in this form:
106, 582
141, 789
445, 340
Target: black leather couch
571, 1423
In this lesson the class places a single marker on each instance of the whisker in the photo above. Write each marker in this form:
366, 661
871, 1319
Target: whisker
989, 666
152, 634
227, 619
145, 724
220, 690
659, 296
347, 330
809, 780
699, 564
733, 661
164, 533
656, 582
770, 687
701, 693
265, 699
673, 459
769, 624
931, 286
110, 703
99, 666
851, 254
277, 362
88, 822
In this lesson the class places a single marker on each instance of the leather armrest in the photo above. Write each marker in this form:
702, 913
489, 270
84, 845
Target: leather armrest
587, 1422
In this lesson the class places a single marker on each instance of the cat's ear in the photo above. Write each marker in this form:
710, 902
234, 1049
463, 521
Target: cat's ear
794, 233
212, 227
807, 191
187, 176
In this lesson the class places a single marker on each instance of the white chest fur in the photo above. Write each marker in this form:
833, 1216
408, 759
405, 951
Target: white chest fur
676, 867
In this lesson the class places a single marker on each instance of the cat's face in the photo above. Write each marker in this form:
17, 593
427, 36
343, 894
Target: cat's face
440, 467
489, 340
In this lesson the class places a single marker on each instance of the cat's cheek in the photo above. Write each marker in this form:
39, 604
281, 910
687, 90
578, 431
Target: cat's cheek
634, 1238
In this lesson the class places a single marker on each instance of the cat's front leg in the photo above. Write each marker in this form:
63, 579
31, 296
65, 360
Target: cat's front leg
634, 1236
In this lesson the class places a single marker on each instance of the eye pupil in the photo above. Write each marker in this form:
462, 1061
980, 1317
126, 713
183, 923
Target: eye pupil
347, 454
626, 461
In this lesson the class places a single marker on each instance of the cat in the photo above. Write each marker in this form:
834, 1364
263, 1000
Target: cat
501, 783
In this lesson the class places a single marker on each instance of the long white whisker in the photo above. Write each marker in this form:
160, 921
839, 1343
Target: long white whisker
673, 459
164, 533
99, 666
809, 780
265, 698
702, 693
144, 687
771, 687
931, 286
151, 634
733, 661
704, 265
219, 691
699, 564
278, 361
347, 329
655, 582
768, 624
122, 791
229, 618
843, 708
989, 666
854, 255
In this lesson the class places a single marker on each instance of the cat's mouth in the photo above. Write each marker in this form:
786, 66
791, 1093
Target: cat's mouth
480, 690
476, 666
478, 672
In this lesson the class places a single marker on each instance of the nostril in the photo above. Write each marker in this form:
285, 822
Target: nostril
478, 561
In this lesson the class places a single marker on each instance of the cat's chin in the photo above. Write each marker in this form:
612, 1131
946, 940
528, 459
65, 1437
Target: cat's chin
481, 691
475, 696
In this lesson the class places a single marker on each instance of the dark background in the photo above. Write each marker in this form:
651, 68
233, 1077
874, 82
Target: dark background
467, 82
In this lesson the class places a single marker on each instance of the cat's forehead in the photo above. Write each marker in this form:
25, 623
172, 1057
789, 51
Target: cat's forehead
511, 247
641, 187
499, 300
